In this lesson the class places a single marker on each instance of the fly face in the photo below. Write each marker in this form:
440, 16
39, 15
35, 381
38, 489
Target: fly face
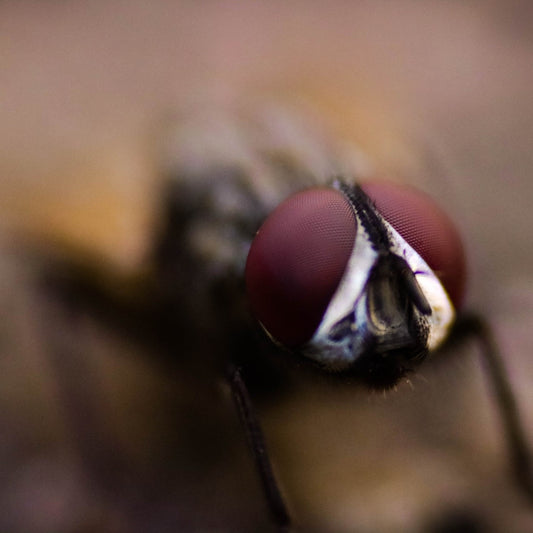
369, 302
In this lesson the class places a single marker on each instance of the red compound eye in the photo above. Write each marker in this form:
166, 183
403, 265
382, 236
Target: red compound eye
299, 255
427, 229
297, 260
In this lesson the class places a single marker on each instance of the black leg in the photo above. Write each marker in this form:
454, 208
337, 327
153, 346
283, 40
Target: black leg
256, 440
472, 325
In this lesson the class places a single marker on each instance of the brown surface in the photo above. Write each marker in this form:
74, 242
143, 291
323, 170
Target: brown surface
83, 88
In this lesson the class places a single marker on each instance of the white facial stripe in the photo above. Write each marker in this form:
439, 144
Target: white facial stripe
351, 295
350, 290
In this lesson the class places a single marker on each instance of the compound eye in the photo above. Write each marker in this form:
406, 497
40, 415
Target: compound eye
296, 262
427, 229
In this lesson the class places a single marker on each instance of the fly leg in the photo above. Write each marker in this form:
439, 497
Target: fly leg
256, 440
472, 325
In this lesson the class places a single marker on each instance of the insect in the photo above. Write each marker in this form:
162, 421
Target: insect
360, 281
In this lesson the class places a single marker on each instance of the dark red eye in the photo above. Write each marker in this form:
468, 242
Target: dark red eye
427, 229
299, 255
297, 260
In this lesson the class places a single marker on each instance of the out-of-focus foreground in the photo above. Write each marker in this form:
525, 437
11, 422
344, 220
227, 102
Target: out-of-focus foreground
436, 93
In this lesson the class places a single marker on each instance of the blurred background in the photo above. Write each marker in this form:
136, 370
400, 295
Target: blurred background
94, 436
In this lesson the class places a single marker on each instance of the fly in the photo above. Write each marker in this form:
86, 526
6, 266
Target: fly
359, 280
